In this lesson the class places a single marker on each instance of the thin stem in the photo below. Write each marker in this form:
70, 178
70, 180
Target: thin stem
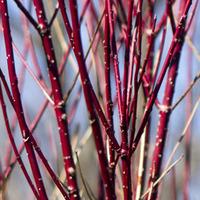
54, 15
27, 14
162, 176
19, 160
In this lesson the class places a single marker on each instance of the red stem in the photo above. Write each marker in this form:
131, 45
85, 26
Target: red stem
9, 132
115, 57
109, 191
165, 115
58, 100
86, 80
37, 149
164, 118
176, 38
17, 101
44, 105
108, 96
133, 109
126, 164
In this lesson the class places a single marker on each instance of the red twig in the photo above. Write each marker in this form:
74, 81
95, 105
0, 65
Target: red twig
85, 78
17, 101
9, 132
37, 149
59, 106
115, 57
126, 166
176, 39
76, 43
165, 113
108, 96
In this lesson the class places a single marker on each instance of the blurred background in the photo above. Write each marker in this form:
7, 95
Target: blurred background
46, 132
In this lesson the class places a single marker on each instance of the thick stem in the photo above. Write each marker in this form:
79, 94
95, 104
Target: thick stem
108, 96
17, 101
164, 118
58, 100
84, 74
34, 143
174, 43
126, 163
115, 56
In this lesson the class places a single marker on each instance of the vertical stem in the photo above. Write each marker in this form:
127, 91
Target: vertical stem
148, 70
58, 100
17, 101
115, 56
109, 103
164, 116
84, 74
126, 163
176, 39
127, 59
109, 190
137, 67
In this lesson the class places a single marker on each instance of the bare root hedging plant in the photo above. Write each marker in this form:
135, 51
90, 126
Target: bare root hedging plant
110, 66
